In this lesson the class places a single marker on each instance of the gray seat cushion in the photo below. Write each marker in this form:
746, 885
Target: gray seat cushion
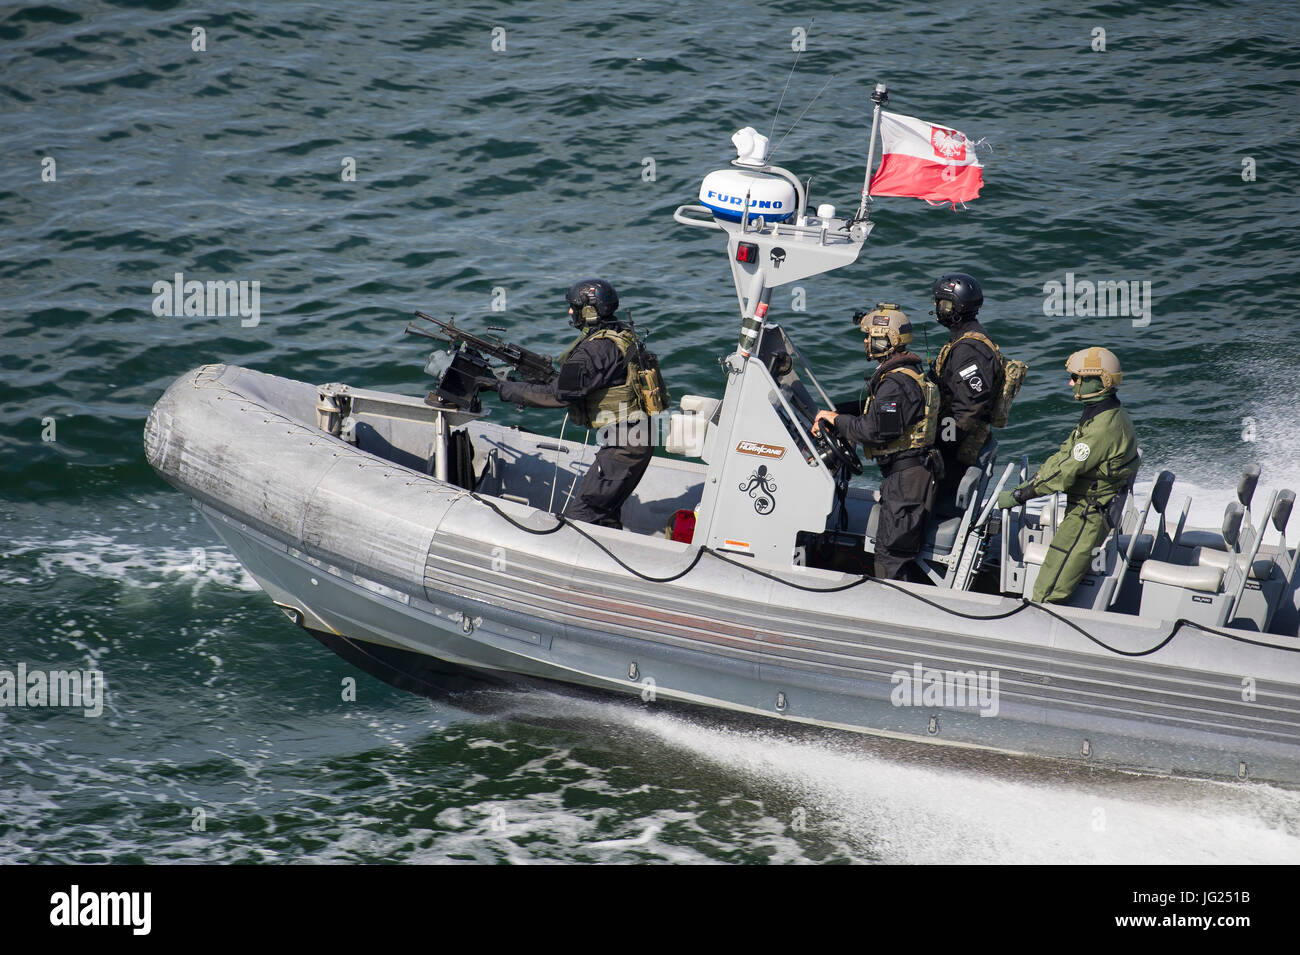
1143, 549
1035, 552
1261, 569
940, 535
1211, 540
1218, 559
1196, 577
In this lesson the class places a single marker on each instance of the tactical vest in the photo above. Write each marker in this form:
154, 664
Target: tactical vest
942, 360
1013, 376
619, 402
922, 432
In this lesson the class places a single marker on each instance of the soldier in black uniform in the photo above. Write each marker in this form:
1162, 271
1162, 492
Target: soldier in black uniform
896, 428
969, 372
596, 384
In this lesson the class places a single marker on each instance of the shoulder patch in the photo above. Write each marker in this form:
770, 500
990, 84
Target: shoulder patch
1081, 451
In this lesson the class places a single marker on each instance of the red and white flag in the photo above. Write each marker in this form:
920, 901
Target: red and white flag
930, 162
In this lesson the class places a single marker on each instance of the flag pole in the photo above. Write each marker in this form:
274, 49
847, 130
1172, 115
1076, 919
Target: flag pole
880, 97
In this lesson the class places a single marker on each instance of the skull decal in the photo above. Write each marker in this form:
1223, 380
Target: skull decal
778, 256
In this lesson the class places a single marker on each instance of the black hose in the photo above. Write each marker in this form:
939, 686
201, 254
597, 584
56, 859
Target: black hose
561, 521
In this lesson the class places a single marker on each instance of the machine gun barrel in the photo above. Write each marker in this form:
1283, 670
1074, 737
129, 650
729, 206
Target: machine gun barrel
530, 365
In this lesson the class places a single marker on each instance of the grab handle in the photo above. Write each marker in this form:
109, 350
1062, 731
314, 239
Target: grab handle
680, 215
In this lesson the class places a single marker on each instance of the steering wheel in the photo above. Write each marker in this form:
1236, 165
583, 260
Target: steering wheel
837, 451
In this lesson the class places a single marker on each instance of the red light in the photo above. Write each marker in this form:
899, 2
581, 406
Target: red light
747, 252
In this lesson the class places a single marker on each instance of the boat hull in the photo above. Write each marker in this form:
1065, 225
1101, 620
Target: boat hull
426, 578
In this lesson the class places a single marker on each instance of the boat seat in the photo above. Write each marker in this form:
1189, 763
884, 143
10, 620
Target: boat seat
940, 536
941, 532
945, 555
1236, 587
1100, 587
1210, 540
1108, 565
688, 432
1201, 577
1202, 540
1145, 544
1211, 558
700, 405
1203, 592
1278, 594
1086, 591
1263, 574
1137, 547
1261, 569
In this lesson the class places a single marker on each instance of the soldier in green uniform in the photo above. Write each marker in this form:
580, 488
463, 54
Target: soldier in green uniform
1094, 465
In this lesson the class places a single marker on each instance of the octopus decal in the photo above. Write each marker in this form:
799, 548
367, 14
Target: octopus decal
762, 489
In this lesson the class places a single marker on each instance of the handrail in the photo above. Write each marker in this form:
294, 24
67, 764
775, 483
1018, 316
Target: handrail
789, 229
680, 215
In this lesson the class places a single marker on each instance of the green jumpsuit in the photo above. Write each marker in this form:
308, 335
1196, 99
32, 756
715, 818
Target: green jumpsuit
1096, 462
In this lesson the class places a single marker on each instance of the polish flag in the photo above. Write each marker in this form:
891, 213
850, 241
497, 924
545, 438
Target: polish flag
930, 162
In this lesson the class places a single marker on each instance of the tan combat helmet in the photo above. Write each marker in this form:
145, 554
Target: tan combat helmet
1095, 362
888, 330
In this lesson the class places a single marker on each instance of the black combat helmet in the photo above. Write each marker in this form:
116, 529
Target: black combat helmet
963, 295
592, 300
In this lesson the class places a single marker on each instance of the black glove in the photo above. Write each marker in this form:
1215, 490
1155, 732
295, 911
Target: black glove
493, 381
1019, 495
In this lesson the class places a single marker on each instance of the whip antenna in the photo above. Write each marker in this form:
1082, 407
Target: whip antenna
799, 117
793, 66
